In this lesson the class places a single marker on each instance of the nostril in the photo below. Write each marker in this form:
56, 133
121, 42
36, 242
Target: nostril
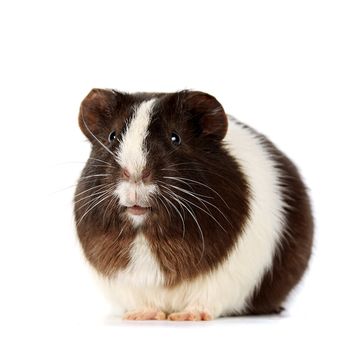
146, 174
126, 174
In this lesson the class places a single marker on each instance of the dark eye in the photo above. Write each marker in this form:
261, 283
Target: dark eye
175, 138
112, 136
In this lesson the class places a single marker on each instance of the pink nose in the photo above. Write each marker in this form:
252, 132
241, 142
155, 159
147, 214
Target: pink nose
126, 174
145, 175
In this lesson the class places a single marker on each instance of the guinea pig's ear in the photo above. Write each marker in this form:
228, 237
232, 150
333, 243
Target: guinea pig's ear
96, 110
208, 112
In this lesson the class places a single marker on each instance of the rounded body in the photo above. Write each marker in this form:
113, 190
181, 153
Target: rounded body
224, 255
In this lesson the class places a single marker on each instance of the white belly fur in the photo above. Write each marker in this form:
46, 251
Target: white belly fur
229, 287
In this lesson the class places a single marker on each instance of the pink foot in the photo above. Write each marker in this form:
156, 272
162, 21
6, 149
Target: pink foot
144, 315
190, 316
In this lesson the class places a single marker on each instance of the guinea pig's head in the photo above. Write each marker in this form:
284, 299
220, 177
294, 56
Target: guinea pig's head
157, 160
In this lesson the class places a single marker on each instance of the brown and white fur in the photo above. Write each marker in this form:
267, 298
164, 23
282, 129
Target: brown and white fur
186, 213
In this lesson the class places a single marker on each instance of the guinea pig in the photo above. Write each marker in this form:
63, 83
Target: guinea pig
184, 212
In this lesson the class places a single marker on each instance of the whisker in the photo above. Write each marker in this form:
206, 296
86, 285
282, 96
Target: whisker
121, 231
201, 170
186, 183
68, 162
181, 217
193, 194
103, 199
104, 164
202, 184
80, 162
96, 175
114, 199
160, 229
208, 212
160, 198
99, 160
89, 189
171, 193
67, 188
95, 198
92, 134
177, 164
183, 163
91, 195
62, 189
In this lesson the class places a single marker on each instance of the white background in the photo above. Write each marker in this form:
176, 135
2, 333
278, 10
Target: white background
280, 66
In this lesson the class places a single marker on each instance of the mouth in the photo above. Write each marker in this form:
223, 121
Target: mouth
137, 210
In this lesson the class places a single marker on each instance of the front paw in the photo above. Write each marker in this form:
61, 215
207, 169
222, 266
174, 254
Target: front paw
142, 315
190, 315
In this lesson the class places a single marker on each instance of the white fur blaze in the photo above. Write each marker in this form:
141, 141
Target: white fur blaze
131, 153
